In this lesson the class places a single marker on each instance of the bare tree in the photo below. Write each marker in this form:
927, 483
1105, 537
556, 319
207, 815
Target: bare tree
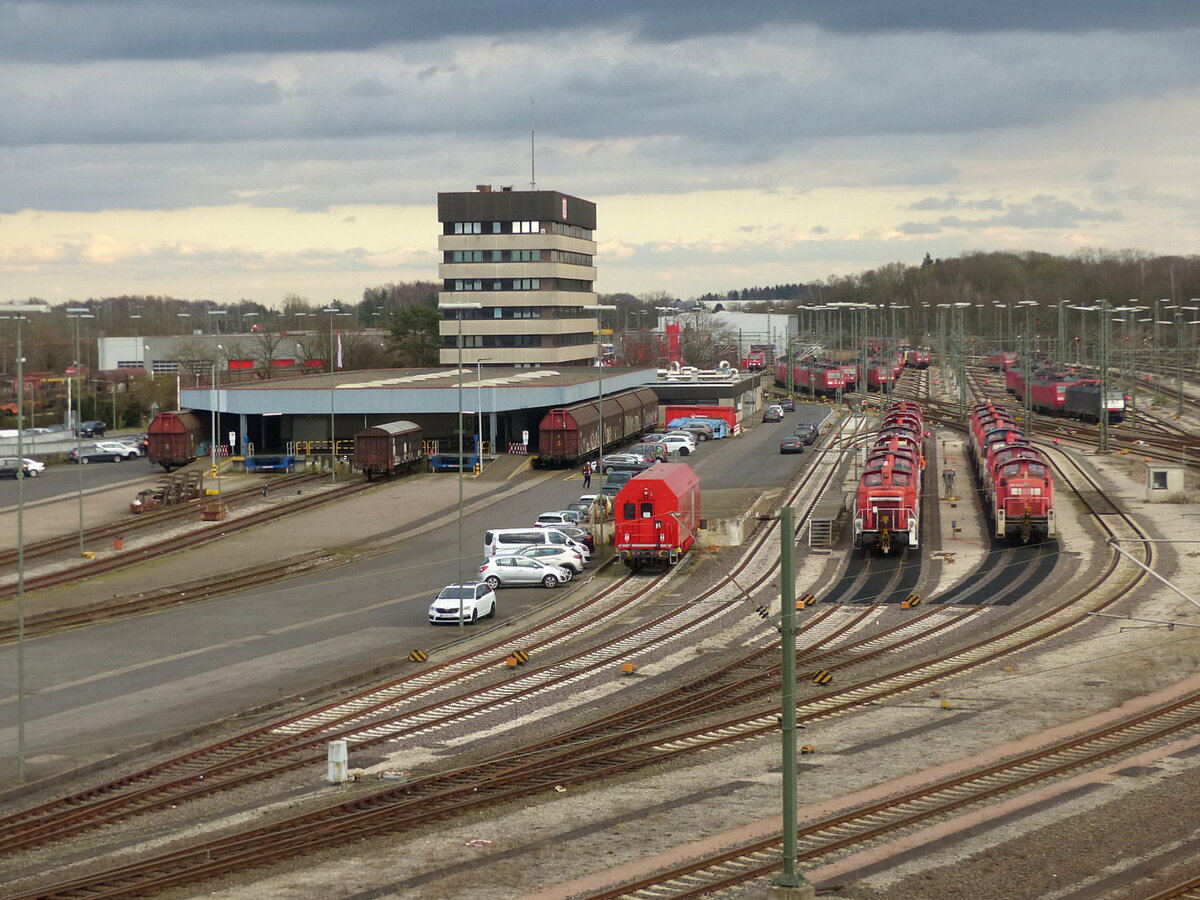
705, 340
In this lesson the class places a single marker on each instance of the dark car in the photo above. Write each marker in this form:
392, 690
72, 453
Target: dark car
806, 431
788, 404
580, 534
91, 429
94, 454
773, 414
791, 445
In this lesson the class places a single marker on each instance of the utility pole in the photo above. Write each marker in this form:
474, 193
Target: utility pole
790, 877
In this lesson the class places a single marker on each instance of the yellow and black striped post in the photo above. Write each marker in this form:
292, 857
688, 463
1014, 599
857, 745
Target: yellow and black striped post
822, 677
418, 656
913, 600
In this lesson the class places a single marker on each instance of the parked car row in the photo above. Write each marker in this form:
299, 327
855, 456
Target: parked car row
549, 553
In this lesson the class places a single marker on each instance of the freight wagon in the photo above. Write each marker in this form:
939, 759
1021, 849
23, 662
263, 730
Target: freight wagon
173, 439
656, 516
570, 434
389, 449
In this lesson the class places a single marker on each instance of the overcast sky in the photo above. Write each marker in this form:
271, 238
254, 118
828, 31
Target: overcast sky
225, 149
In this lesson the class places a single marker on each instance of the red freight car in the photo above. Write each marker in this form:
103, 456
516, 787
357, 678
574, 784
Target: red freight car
173, 438
656, 515
388, 449
570, 434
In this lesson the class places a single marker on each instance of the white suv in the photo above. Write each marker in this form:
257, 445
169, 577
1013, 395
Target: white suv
125, 450
684, 443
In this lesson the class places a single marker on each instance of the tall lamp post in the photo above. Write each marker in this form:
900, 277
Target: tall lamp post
600, 375
14, 313
333, 311
459, 309
216, 419
77, 313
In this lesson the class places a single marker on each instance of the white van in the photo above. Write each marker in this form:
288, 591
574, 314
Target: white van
497, 539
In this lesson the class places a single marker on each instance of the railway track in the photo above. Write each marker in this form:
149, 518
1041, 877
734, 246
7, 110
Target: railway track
408, 705
187, 541
148, 521
823, 841
600, 750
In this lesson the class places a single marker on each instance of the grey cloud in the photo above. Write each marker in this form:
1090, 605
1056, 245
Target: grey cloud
73, 30
1042, 212
918, 228
930, 203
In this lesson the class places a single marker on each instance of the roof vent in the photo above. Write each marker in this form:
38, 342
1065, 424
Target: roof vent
483, 188
506, 187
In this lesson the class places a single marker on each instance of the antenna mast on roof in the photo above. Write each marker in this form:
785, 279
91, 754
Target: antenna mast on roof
532, 163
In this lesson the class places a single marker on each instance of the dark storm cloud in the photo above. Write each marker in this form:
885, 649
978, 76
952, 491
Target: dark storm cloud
78, 30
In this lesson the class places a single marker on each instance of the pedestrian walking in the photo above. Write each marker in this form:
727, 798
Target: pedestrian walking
587, 475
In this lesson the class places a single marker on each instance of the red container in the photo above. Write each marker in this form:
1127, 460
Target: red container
656, 515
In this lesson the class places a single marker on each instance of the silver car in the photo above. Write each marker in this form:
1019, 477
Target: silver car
568, 558
508, 571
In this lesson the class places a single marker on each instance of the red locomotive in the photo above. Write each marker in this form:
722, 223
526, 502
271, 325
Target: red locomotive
1017, 489
888, 505
918, 358
881, 375
1001, 362
656, 515
816, 379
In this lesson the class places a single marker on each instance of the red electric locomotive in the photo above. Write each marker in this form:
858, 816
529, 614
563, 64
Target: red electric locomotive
656, 515
1017, 489
918, 358
881, 375
820, 381
888, 503
1048, 395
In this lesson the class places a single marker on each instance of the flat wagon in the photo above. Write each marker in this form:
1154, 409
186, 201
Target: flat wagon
392, 448
173, 439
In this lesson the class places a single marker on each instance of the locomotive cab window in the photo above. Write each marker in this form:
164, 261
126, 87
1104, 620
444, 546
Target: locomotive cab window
874, 478
647, 510
629, 511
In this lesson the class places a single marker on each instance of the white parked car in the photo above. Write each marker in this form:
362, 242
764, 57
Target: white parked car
568, 558
465, 602
684, 443
559, 517
125, 450
509, 571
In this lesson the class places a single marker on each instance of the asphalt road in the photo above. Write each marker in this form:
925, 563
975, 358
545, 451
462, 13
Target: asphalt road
100, 690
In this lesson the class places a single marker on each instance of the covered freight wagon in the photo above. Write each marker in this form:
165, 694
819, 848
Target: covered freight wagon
388, 449
173, 439
570, 434
656, 516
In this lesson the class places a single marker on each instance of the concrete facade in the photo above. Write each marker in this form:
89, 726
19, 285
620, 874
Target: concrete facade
526, 257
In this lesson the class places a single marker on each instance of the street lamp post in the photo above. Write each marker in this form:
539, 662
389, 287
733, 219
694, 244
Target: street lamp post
600, 376
333, 311
17, 318
216, 419
459, 309
77, 313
